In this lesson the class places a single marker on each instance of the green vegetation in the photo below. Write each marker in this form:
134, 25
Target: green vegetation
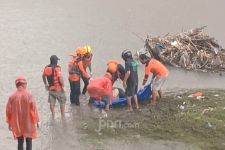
177, 117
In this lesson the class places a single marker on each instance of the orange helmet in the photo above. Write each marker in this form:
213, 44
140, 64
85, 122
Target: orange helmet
20, 79
113, 61
108, 75
112, 67
81, 50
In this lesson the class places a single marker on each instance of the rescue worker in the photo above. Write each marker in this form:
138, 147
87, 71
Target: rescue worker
130, 82
159, 71
87, 58
116, 69
76, 70
53, 80
22, 115
101, 89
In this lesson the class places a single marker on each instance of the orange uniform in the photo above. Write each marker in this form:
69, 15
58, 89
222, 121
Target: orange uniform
155, 67
99, 87
76, 68
21, 114
53, 76
116, 69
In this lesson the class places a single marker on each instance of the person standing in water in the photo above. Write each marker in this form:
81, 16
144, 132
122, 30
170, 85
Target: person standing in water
22, 115
130, 82
76, 70
53, 80
87, 64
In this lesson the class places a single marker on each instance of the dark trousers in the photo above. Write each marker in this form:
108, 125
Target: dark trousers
28, 143
75, 92
86, 82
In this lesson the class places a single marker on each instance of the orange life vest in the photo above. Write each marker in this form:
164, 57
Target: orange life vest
53, 75
76, 68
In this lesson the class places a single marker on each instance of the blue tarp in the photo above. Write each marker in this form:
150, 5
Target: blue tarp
143, 95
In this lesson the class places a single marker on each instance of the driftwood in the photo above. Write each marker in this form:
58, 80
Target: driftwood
192, 50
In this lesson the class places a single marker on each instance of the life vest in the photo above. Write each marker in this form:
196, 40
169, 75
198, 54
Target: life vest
73, 67
53, 74
76, 68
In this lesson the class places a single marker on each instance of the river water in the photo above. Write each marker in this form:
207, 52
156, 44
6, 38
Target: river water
33, 30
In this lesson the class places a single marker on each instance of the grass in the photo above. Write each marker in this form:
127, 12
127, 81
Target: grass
201, 123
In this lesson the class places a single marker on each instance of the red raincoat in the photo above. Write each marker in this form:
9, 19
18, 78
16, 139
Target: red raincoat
21, 114
99, 87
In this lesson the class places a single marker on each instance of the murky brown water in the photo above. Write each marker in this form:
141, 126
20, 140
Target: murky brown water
32, 30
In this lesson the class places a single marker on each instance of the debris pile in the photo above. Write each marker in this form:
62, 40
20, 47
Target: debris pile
192, 50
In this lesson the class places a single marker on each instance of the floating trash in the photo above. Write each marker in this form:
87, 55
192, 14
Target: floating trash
206, 110
179, 97
209, 125
192, 50
198, 95
181, 107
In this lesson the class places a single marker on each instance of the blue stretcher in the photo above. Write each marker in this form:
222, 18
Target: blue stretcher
143, 95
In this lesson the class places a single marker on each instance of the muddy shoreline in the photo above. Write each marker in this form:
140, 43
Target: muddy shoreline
199, 123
